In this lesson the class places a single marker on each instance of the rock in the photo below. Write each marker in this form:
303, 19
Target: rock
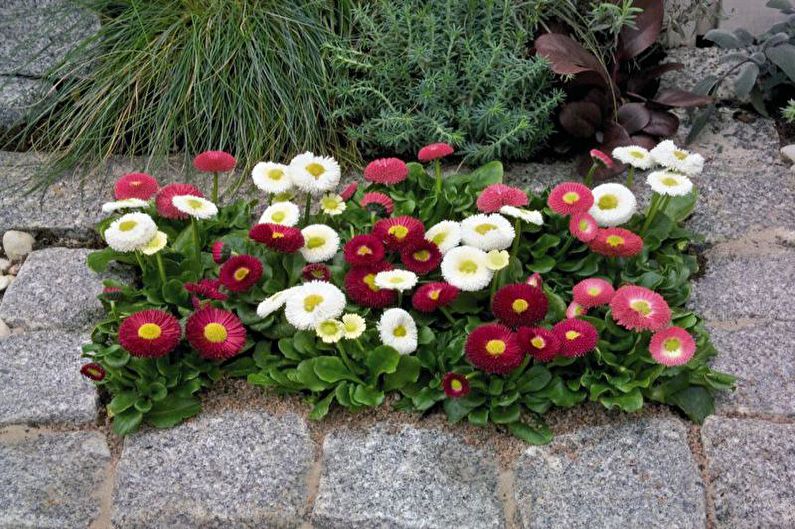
41, 380
5, 281
406, 480
750, 464
698, 62
51, 480
5, 264
17, 96
637, 474
234, 469
4, 330
788, 153
17, 244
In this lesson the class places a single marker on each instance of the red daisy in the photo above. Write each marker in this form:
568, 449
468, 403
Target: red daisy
349, 191
363, 250
640, 309
149, 333
94, 371
496, 196
421, 257
207, 288
316, 272
455, 386
616, 242
593, 292
165, 208
221, 252
493, 348
361, 288
240, 273
583, 226
542, 344
575, 310
602, 159
388, 171
535, 280
570, 197
399, 232
519, 304
431, 296
112, 293
577, 337
217, 334
214, 162
135, 185
285, 239
434, 151
672, 347
378, 203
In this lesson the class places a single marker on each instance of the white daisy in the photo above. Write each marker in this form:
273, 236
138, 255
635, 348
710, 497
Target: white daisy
273, 303
613, 204
487, 232
398, 330
127, 203
396, 280
321, 242
155, 244
271, 177
667, 154
497, 259
284, 213
315, 174
131, 231
530, 216
634, 155
465, 267
669, 183
445, 235
354, 326
332, 204
198, 207
312, 303
330, 331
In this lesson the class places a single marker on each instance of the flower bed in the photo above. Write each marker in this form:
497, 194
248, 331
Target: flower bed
459, 292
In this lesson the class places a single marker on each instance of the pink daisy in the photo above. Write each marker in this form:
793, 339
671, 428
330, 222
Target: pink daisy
583, 226
135, 185
602, 159
165, 207
434, 151
569, 198
496, 196
616, 242
575, 310
349, 191
535, 280
378, 203
387, 171
672, 347
214, 162
640, 309
221, 252
593, 292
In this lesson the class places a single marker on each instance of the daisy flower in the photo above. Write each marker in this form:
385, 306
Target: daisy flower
207, 288
240, 273
530, 216
445, 235
640, 309
602, 159
465, 268
613, 204
493, 348
316, 271
273, 303
349, 191
487, 232
127, 203
434, 151
271, 177
575, 310
399, 280
353, 326
616, 242
197, 207
497, 259
535, 280
321, 243
583, 227
284, 213
634, 155
431, 296
361, 288
542, 344
220, 251
667, 154
570, 197
314, 174
135, 185
576, 337
313, 302
519, 304
377, 203
149, 333
387, 171
130, 232
398, 232
215, 333
398, 330
332, 204
672, 347
495, 196
455, 386
669, 183
285, 239
330, 331
155, 244
363, 250
93, 371
214, 162
593, 292
163, 200
421, 257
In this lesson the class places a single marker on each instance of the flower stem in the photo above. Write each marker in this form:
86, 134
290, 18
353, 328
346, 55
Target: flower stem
495, 283
653, 207
447, 315
517, 227
589, 176
400, 298
564, 248
307, 209
630, 175
437, 168
197, 246
160, 267
347, 361
215, 187
140, 261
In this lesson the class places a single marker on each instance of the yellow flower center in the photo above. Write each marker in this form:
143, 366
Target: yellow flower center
637, 155
670, 181
538, 342
495, 347
396, 280
195, 204
149, 331
422, 255
364, 250
329, 328
583, 225
641, 306
312, 301
439, 238
278, 216
456, 385
369, 280
572, 335
672, 346
571, 197
483, 229
127, 225
277, 235
135, 183
275, 174
330, 203
680, 155
399, 232
317, 273
315, 242
351, 326
468, 267
241, 273
519, 305
315, 169
615, 240
399, 331
608, 202
434, 294
215, 332
593, 291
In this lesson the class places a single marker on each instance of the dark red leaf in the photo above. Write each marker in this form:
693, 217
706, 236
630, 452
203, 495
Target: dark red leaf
565, 55
663, 124
674, 97
638, 82
647, 142
614, 136
633, 116
581, 119
633, 41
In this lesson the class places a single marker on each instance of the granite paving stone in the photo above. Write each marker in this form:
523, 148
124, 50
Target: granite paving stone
409, 479
752, 470
41, 381
240, 469
51, 480
637, 474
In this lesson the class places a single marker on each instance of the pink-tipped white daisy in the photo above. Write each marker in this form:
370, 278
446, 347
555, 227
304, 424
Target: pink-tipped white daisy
672, 347
640, 309
593, 292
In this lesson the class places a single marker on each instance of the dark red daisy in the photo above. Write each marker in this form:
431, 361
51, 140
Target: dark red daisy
316, 272
542, 344
493, 348
150, 333
240, 273
431, 296
221, 252
363, 250
421, 257
455, 386
163, 200
284, 239
207, 288
361, 288
519, 304
577, 337
215, 333
135, 185
214, 162
93, 371
434, 151
399, 232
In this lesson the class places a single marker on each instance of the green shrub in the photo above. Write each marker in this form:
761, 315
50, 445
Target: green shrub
417, 71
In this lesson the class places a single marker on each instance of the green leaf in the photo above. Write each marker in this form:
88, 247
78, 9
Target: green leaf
98, 261
174, 292
457, 409
535, 436
723, 38
745, 80
127, 422
172, 411
368, 396
479, 417
783, 56
695, 401
117, 358
305, 374
505, 415
331, 369
483, 176
321, 407
122, 402
542, 265
382, 359
534, 379
632, 401
407, 372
